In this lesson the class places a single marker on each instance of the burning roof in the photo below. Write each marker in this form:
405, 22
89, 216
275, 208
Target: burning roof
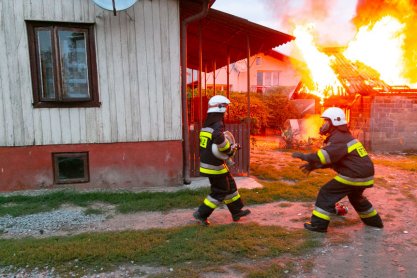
354, 78
377, 60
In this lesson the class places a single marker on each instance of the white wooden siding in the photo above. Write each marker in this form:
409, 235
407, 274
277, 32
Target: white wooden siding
138, 64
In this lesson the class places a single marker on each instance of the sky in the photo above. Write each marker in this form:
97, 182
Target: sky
329, 18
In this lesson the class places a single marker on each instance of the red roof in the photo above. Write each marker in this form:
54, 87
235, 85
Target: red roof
224, 33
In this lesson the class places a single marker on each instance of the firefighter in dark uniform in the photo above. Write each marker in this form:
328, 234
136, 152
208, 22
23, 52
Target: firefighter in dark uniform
347, 156
222, 185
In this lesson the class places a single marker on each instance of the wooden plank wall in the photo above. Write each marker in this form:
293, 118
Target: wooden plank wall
138, 60
241, 132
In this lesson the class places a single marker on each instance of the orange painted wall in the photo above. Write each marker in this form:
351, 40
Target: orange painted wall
111, 166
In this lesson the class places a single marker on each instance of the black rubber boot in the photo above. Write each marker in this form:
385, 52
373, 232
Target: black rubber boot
202, 220
202, 213
374, 221
313, 228
240, 214
317, 225
236, 210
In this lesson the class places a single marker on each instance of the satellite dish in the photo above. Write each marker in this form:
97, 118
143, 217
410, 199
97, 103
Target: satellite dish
115, 5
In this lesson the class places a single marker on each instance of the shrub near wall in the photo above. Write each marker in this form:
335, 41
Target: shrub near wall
238, 111
269, 110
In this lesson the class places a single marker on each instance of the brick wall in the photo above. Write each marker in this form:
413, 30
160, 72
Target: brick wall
359, 120
393, 123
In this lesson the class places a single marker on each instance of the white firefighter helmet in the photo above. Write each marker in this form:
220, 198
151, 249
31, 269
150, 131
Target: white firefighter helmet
215, 149
335, 115
218, 103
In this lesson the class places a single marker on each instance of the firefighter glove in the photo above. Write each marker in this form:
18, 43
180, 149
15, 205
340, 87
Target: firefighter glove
233, 149
307, 168
300, 156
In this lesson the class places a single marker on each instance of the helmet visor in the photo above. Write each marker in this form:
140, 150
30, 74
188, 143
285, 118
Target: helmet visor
325, 127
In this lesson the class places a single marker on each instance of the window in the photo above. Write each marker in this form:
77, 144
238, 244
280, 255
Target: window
63, 64
267, 78
70, 167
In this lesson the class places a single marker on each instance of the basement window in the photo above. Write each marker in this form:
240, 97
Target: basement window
70, 167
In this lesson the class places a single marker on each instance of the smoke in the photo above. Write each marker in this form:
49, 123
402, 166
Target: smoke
335, 22
330, 18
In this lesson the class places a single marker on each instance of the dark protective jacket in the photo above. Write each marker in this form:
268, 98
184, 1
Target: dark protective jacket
212, 133
347, 156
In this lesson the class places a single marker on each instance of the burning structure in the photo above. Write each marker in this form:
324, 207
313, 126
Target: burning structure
372, 78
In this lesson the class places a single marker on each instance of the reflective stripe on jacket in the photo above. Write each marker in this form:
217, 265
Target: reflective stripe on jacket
348, 157
209, 164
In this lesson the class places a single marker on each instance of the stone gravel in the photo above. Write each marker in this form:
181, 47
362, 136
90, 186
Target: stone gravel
46, 223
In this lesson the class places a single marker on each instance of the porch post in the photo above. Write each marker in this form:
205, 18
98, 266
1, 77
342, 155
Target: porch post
228, 81
185, 127
228, 75
214, 77
248, 94
200, 69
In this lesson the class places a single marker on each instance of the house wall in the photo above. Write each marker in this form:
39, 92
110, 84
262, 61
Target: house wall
138, 64
116, 165
360, 120
393, 125
138, 60
238, 73
385, 123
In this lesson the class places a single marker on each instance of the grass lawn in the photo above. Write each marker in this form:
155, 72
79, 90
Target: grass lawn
183, 248
187, 251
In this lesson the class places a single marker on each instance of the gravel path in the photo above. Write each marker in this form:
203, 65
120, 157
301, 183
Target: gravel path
48, 223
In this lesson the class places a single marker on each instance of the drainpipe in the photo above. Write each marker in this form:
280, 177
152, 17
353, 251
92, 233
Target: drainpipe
185, 132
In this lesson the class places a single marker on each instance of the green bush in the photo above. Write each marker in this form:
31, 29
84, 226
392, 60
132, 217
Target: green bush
268, 110
238, 111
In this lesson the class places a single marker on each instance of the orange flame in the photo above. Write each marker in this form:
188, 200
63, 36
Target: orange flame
381, 47
311, 126
324, 80
387, 46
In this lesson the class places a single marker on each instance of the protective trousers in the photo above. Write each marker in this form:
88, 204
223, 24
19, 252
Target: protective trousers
223, 191
334, 191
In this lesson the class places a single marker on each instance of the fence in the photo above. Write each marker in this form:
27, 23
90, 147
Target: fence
241, 133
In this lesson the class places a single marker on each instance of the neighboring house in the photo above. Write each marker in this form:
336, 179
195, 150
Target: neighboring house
268, 70
89, 98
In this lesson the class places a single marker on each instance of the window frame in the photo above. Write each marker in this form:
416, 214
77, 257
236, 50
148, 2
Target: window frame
60, 101
83, 155
274, 76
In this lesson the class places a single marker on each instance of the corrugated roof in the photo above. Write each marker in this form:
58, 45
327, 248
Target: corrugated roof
357, 78
224, 34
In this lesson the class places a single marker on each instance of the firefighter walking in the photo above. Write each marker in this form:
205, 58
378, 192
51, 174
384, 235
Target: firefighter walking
215, 150
355, 173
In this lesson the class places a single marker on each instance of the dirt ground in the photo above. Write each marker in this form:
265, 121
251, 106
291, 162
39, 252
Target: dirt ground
352, 250
371, 252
